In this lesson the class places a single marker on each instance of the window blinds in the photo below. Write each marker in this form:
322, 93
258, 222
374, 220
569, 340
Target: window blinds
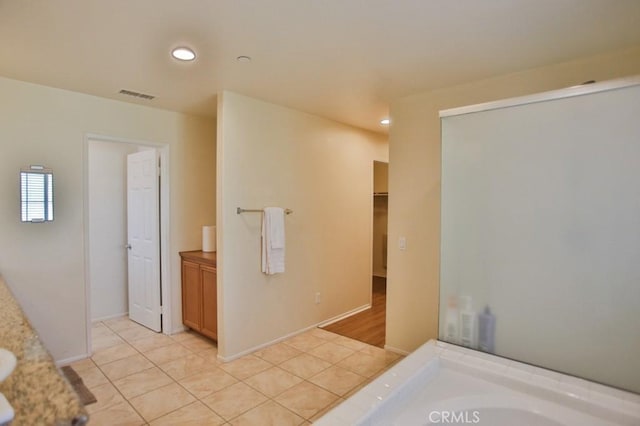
36, 196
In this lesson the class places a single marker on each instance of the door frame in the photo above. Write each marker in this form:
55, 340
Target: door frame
165, 264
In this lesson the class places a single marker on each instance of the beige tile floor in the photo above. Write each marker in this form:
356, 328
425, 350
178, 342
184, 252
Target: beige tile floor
143, 378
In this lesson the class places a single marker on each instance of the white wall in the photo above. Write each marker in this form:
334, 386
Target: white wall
108, 227
43, 264
414, 182
273, 156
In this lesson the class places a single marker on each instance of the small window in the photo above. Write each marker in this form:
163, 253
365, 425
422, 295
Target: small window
36, 194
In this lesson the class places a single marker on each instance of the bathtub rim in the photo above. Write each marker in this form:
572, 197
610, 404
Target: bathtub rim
597, 400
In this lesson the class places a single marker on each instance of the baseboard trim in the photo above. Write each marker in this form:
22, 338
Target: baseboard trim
295, 333
108, 317
344, 315
176, 331
396, 350
70, 360
264, 345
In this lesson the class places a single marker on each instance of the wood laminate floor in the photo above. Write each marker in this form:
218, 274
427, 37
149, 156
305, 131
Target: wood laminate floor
367, 326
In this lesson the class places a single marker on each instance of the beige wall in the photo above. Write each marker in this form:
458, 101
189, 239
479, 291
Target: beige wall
273, 156
414, 182
44, 264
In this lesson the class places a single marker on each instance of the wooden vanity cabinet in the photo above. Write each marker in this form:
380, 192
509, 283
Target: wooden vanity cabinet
199, 292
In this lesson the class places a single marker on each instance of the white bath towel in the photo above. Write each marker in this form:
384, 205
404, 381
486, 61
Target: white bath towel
273, 240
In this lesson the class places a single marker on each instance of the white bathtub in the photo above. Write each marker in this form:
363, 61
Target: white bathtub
442, 384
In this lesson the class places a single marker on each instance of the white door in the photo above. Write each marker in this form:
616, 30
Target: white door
143, 233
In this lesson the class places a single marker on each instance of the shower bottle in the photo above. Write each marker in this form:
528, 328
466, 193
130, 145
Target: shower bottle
451, 332
468, 323
487, 331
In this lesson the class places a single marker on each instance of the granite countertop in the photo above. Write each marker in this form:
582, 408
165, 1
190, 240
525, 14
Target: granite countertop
36, 389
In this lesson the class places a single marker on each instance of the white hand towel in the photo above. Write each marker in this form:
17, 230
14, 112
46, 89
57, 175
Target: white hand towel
273, 240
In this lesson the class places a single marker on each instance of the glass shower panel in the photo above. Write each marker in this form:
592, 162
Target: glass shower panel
540, 234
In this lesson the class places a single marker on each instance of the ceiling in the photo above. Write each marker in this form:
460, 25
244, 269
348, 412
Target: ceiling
340, 59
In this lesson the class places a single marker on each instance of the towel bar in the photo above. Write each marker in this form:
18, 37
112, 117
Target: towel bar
241, 210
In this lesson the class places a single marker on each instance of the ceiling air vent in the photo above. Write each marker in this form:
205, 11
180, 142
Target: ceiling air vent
136, 94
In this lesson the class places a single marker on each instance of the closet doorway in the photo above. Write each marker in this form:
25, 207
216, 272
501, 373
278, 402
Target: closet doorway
369, 326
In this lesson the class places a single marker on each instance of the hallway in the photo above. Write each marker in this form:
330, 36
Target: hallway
367, 326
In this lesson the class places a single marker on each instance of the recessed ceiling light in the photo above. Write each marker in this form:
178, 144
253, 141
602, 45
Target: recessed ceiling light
243, 59
385, 121
183, 54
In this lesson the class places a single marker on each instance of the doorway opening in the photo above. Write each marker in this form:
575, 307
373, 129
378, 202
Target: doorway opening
107, 246
369, 326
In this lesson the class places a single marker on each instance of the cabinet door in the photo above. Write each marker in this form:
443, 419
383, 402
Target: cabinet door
209, 302
191, 295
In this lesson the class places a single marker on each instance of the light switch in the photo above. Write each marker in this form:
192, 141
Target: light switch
402, 243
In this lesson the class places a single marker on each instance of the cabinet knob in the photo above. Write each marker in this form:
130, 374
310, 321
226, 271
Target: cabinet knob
128, 246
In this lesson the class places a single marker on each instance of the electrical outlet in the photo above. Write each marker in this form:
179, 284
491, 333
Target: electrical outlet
318, 298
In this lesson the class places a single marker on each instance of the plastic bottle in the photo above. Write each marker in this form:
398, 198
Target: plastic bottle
487, 331
468, 323
451, 332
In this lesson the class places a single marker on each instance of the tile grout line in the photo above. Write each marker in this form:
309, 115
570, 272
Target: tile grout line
155, 365
113, 384
337, 397
175, 381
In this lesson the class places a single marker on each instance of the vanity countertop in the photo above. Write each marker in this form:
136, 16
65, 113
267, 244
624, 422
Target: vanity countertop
199, 256
36, 389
